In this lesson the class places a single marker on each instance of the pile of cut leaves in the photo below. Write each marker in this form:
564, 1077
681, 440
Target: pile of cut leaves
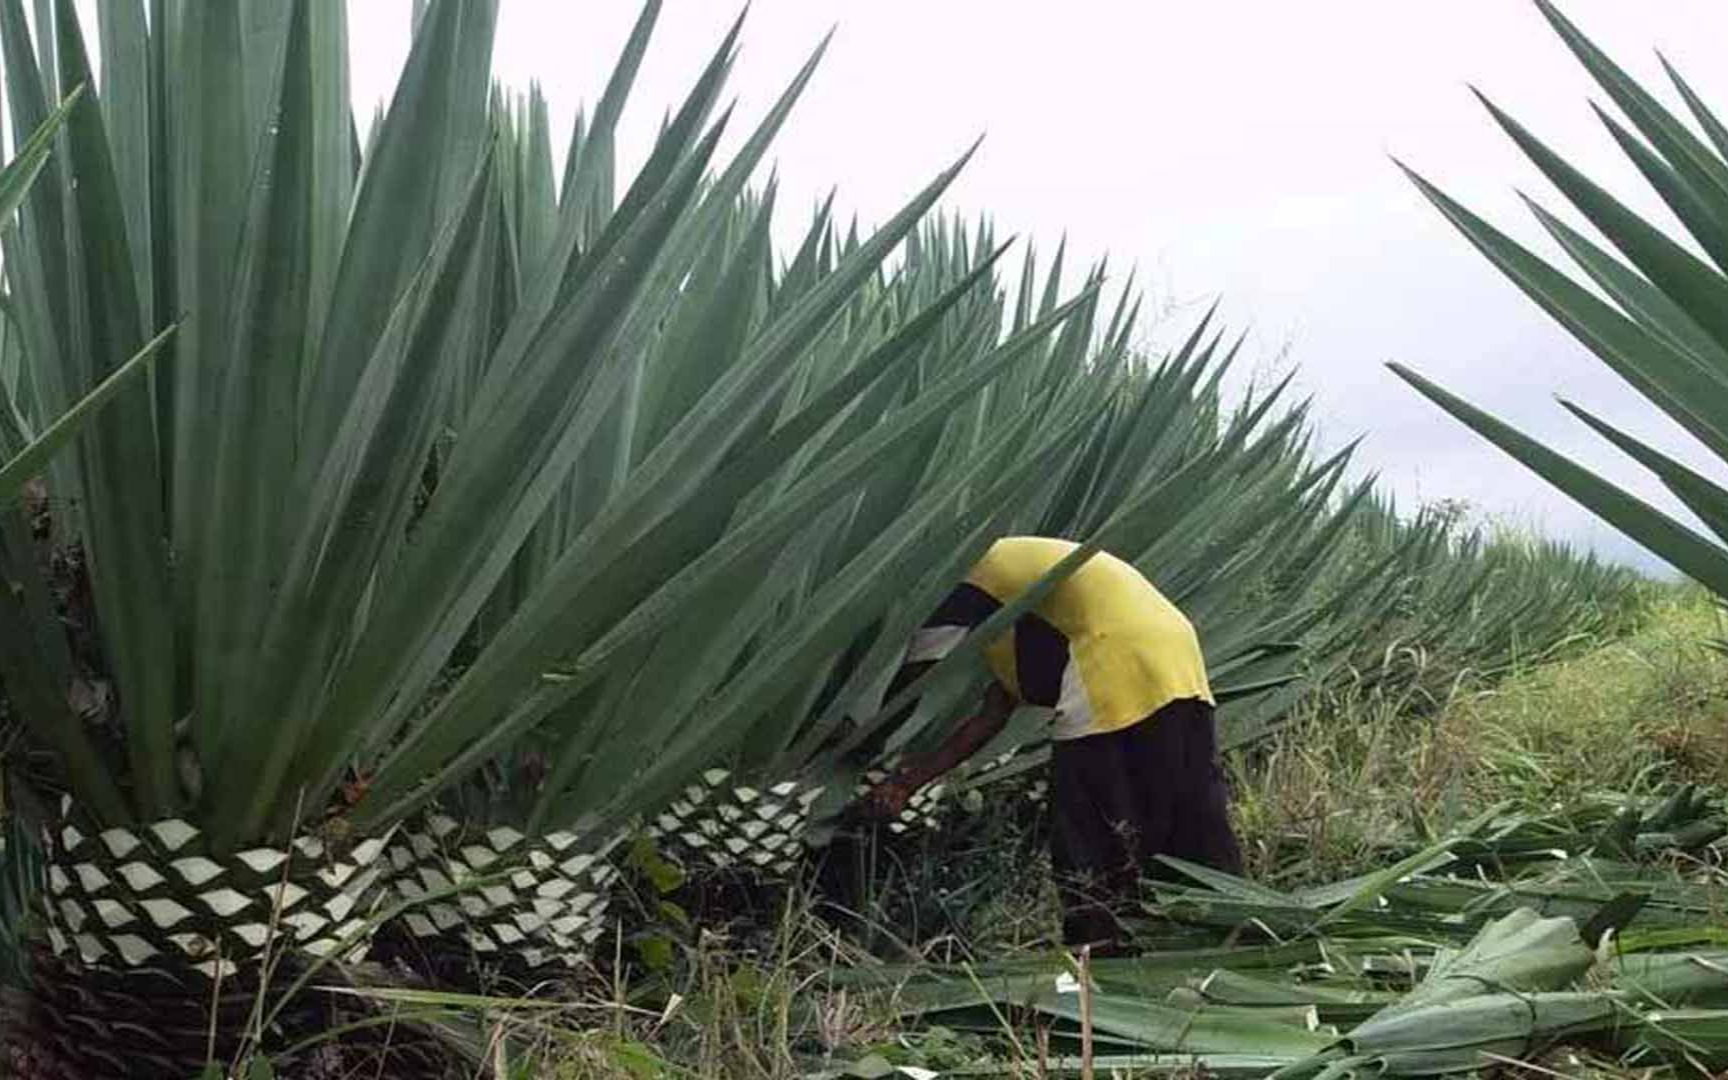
1596, 933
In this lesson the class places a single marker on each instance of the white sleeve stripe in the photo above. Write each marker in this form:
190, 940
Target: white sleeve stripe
1073, 710
933, 643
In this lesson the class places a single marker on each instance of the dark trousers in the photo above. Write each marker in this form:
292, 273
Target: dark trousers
1120, 798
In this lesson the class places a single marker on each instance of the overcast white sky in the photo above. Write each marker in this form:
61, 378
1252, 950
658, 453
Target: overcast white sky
1231, 148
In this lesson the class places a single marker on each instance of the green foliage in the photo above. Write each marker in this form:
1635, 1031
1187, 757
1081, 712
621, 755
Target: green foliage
662, 875
1289, 571
282, 583
1462, 603
22, 455
662, 925
575, 472
29, 460
1653, 312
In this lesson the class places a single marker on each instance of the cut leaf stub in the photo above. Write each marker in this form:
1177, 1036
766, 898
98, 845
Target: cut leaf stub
156, 896
923, 809
531, 901
717, 825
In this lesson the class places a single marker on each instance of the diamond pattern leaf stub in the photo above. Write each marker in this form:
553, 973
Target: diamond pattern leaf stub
124, 897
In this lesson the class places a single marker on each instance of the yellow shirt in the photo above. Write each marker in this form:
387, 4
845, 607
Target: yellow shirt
1104, 648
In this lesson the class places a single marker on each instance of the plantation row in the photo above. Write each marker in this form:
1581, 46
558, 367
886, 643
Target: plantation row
477, 507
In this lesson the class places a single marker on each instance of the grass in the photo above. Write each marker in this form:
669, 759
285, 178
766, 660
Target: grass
1354, 771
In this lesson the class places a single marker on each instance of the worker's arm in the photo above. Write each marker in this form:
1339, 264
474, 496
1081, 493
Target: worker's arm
888, 798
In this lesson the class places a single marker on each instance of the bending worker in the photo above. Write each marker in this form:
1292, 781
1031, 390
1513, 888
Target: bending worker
1134, 766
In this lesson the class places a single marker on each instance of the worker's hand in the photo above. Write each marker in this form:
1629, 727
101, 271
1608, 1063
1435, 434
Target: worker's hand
886, 800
